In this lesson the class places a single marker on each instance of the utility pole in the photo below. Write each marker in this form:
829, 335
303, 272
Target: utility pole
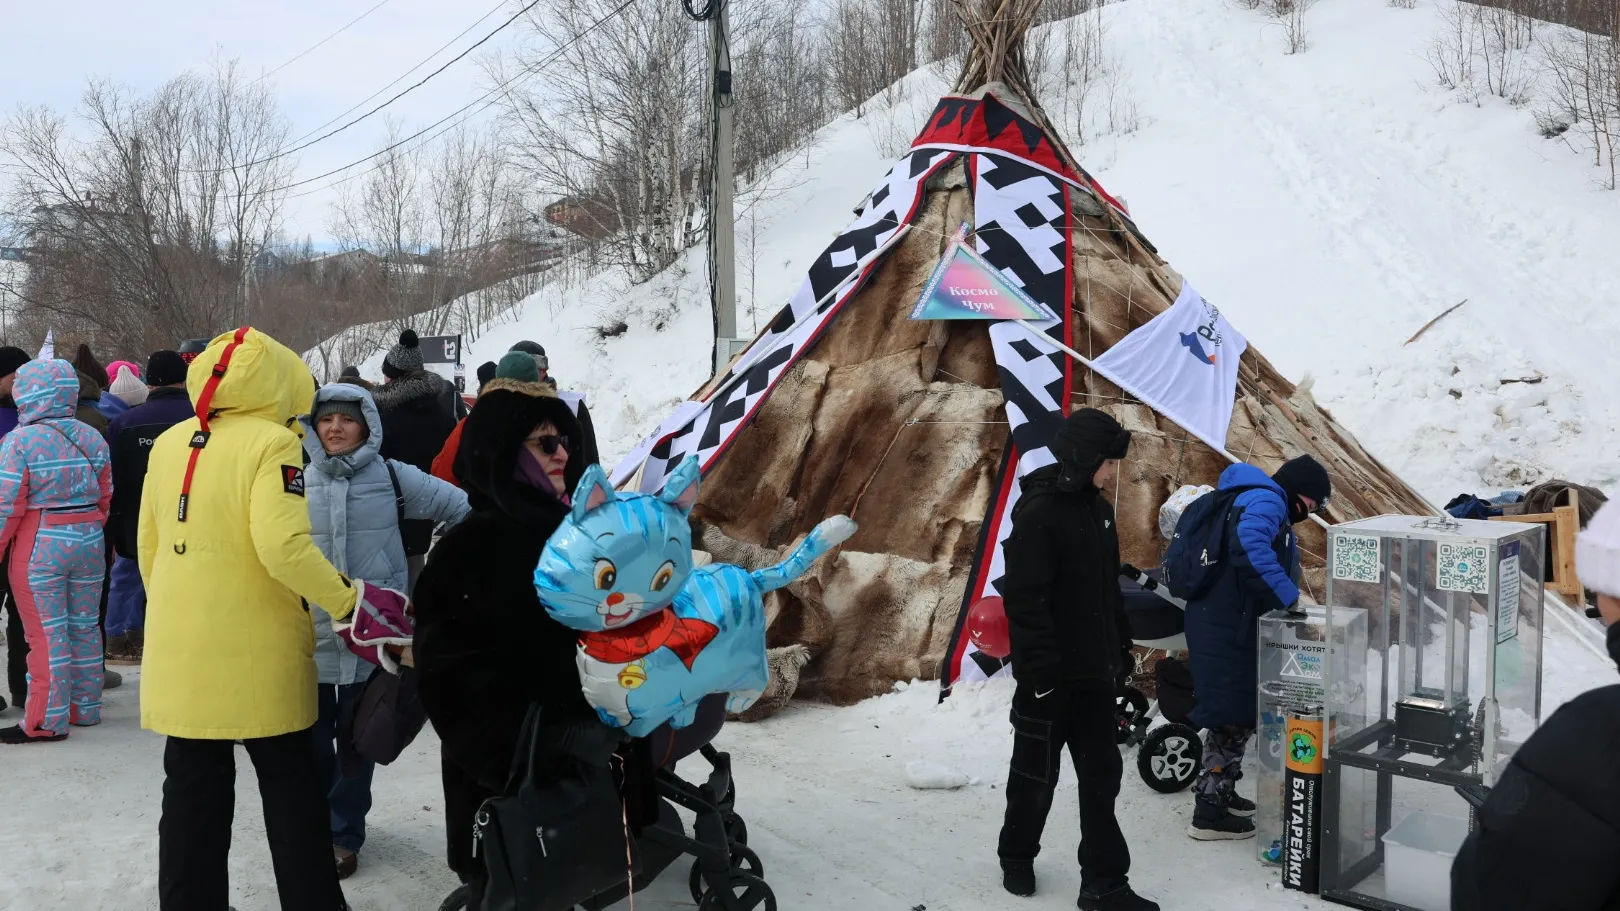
722, 234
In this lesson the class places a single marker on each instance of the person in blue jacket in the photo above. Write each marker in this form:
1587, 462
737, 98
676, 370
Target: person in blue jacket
1261, 562
132, 435
357, 500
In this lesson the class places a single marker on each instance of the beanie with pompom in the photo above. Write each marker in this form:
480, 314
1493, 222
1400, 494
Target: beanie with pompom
403, 358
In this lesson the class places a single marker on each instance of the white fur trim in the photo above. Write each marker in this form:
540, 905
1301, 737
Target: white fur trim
1597, 551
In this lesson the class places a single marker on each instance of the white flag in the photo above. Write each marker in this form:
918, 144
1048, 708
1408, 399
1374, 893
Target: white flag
1184, 364
47, 351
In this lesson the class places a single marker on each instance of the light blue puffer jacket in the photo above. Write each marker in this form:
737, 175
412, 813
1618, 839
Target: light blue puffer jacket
354, 519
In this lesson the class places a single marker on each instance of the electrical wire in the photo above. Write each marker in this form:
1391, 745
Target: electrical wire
401, 77
316, 46
423, 81
704, 15
486, 100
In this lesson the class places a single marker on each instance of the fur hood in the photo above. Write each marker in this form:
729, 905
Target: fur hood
486, 461
418, 390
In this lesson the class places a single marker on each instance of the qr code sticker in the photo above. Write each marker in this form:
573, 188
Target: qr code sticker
1355, 558
1462, 569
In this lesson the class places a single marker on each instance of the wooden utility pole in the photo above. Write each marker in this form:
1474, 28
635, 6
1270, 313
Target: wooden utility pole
722, 234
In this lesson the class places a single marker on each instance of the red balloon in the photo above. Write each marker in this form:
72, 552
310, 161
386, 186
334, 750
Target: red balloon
987, 627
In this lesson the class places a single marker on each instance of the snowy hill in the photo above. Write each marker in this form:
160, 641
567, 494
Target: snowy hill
1332, 202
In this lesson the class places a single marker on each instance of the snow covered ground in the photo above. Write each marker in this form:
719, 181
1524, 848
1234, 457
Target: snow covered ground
825, 792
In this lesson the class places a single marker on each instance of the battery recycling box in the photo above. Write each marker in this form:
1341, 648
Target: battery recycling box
1295, 650
1450, 687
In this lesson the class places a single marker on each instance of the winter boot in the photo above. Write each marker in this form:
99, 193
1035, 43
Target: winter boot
1238, 805
16, 736
1121, 899
347, 861
1018, 877
110, 679
1212, 821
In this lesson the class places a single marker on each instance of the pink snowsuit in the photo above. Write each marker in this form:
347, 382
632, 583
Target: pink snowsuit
55, 487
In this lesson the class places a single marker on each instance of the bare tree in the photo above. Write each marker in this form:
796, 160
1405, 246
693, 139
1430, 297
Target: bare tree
143, 228
618, 121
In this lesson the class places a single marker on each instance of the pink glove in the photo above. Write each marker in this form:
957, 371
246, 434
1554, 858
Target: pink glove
379, 620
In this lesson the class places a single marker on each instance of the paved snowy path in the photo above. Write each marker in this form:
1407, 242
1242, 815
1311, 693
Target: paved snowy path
823, 791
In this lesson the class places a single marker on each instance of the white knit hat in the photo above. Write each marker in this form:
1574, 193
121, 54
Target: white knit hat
129, 387
1597, 551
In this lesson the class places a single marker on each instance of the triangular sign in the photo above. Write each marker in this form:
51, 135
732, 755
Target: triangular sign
964, 286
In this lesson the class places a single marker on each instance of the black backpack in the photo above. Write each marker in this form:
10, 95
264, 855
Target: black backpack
1197, 553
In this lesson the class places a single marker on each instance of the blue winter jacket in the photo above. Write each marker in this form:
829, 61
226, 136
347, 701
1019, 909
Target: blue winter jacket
1258, 577
354, 519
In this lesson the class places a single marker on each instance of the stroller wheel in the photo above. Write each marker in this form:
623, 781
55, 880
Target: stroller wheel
748, 892
737, 830
1170, 757
457, 900
1130, 711
742, 859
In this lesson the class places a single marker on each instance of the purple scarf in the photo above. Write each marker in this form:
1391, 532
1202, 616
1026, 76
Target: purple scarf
530, 472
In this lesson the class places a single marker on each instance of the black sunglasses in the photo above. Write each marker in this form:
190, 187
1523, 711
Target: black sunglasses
550, 443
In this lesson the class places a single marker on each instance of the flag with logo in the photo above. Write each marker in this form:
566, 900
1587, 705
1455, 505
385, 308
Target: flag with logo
1183, 363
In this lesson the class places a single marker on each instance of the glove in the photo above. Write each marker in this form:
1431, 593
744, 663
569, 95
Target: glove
379, 620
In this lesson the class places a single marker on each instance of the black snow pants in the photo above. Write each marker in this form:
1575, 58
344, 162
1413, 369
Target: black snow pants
1082, 720
199, 799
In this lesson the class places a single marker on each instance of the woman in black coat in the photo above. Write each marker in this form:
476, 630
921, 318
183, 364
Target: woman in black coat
485, 649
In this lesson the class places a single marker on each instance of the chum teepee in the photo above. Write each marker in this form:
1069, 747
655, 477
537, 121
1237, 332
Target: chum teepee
917, 429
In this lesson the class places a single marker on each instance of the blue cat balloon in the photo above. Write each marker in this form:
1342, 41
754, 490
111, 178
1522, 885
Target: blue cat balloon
655, 635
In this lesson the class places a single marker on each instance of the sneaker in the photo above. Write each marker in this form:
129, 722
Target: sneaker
1122, 899
1238, 805
16, 736
347, 861
110, 679
1018, 877
1212, 821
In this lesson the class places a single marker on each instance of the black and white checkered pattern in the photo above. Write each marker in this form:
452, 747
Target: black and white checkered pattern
819, 298
1023, 219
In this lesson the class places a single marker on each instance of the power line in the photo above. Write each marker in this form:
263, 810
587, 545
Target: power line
423, 81
316, 46
486, 100
401, 77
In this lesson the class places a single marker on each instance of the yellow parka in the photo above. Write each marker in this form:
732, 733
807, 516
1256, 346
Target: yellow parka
229, 643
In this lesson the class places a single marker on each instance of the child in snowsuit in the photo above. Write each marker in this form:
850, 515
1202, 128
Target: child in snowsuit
357, 500
55, 487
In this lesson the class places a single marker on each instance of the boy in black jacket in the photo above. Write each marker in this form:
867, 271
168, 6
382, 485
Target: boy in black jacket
1070, 653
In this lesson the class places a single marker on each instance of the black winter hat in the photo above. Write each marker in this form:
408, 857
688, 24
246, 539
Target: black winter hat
1304, 477
486, 372
1088, 438
404, 357
350, 370
12, 358
165, 368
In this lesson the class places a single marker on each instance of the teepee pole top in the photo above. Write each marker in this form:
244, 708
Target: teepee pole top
996, 30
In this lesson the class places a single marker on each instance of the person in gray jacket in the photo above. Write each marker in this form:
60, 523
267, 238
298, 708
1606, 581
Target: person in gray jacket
357, 500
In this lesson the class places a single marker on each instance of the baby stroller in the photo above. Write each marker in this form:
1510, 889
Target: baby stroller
726, 875
1169, 755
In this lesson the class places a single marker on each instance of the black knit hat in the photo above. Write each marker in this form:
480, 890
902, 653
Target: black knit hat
404, 357
1304, 477
350, 370
165, 368
12, 358
1088, 438
486, 372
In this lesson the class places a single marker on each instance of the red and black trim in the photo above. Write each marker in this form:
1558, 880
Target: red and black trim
984, 553
205, 401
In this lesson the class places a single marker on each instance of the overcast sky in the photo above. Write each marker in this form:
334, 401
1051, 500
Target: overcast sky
49, 47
